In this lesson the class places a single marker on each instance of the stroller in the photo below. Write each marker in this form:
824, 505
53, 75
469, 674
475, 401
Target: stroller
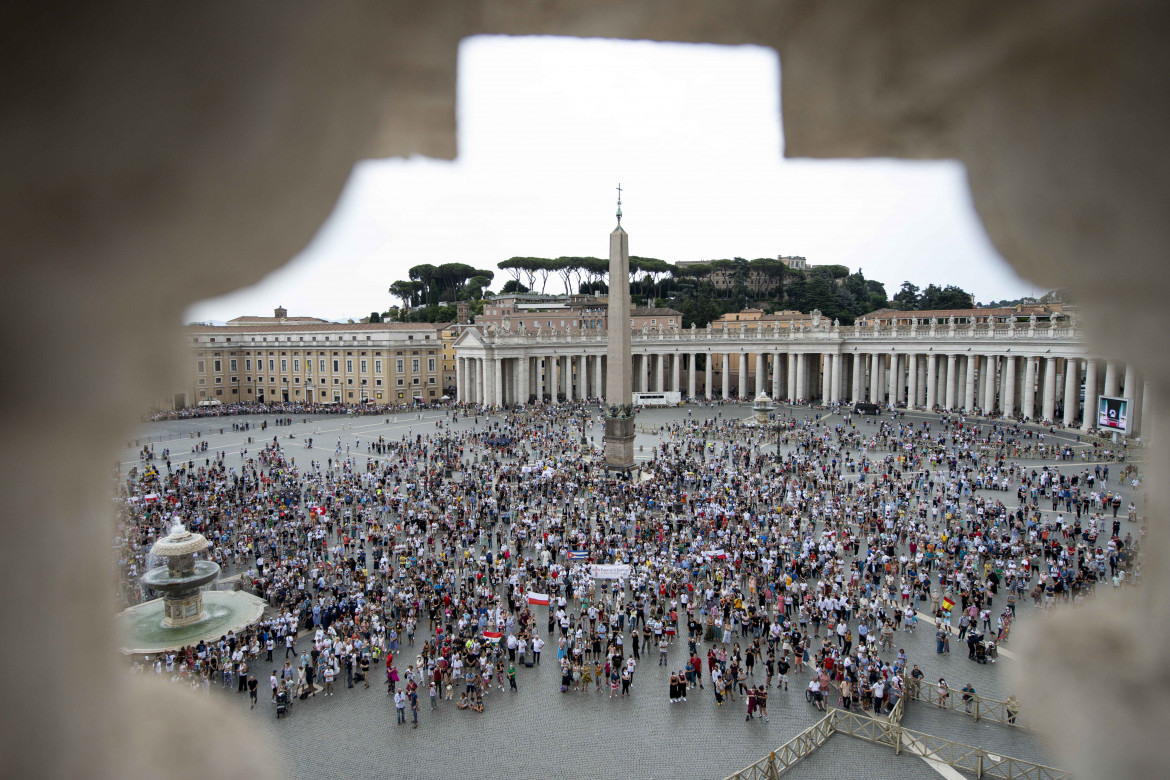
283, 703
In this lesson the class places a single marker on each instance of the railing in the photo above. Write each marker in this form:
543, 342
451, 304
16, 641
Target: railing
976, 761
879, 731
779, 760
824, 332
891, 733
980, 708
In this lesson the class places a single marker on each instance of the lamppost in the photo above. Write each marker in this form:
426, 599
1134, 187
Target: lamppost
584, 412
778, 427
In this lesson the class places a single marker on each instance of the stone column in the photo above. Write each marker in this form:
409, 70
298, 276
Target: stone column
761, 372
776, 376
912, 380
1112, 377
903, 379
949, 395
931, 380
791, 377
835, 385
573, 390
489, 381
1048, 409
691, 380
969, 396
1008, 404
1072, 386
676, 370
1089, 412
1028, 399
741, 389
598, 376
726, 375
1133, 391
659, 372
874, 377
554, 379
526, 381
826, 378
858, 371
480, 394
987, 373
801, 379
459, 393
709, 384
893, 379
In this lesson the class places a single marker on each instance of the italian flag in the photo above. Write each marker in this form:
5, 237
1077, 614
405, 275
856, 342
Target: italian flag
538, 598
947, 603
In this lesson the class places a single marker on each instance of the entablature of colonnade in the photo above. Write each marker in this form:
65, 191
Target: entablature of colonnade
1052, 338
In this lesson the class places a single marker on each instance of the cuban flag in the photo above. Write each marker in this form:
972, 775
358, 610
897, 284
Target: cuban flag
538, 598
577, 555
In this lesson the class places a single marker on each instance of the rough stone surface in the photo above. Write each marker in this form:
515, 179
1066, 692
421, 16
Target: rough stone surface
154, 155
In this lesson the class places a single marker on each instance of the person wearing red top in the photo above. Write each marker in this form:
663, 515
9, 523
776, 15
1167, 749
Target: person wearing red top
697, 663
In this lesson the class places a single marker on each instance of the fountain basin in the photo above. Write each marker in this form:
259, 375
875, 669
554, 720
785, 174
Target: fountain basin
163, 580
143, 633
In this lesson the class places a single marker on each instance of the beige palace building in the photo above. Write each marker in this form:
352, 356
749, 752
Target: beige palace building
303, 359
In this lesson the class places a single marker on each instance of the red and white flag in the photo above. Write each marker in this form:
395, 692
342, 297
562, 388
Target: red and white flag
493, 636
538, 598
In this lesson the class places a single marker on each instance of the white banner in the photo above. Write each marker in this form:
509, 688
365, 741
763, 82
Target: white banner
611, 571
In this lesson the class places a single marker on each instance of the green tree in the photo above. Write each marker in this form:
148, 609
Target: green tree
375, 317
907, 298
513, 286
407, 291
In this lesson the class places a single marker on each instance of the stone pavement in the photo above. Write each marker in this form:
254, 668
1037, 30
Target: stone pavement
540, 732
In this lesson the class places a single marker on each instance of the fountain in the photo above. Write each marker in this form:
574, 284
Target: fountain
762, 407
182, 579
185, 614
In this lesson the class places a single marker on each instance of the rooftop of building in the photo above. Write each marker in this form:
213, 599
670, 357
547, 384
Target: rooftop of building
1039, 309
318, 326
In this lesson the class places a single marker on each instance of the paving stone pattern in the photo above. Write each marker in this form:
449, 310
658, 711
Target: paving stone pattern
540, 732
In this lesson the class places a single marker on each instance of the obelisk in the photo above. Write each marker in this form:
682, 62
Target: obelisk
619, 407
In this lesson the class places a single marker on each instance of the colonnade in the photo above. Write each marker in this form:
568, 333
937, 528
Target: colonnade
1042, 387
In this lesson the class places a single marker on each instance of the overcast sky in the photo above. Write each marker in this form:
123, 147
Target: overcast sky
547, 129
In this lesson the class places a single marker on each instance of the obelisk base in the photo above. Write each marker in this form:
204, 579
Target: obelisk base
619, 443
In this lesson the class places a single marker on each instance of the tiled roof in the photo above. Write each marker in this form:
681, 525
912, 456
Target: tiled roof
322, 327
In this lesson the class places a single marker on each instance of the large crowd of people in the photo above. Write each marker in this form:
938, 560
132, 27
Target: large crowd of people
800, 551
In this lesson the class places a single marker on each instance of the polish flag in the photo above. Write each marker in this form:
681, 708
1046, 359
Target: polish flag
538, 598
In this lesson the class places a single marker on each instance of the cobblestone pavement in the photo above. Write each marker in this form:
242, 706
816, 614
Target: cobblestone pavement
992, 737
845, 756
540, 732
